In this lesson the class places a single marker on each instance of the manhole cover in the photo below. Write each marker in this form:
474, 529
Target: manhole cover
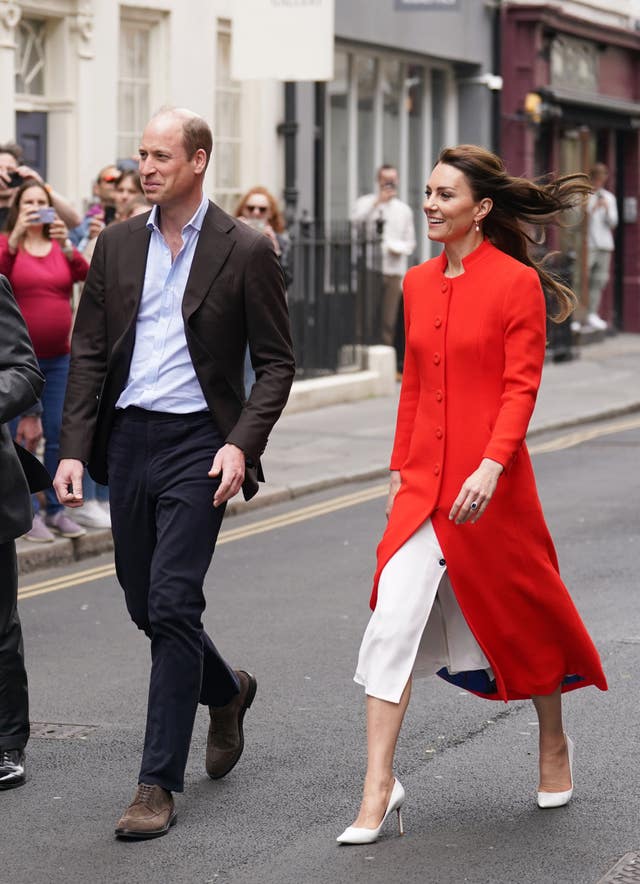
51, 731
626, 871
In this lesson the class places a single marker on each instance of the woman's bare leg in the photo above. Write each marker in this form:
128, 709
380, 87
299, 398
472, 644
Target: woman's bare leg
554, 759
384, 721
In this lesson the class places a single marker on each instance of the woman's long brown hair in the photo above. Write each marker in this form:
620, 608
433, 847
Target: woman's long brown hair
518, 202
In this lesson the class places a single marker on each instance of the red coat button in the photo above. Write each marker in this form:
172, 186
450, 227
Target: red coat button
436, 358
439, 433
439, 396
444, 286
436, 469
437, 322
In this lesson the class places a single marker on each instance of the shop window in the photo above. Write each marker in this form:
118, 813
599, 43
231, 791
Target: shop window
134, 85
227, 123
30, 57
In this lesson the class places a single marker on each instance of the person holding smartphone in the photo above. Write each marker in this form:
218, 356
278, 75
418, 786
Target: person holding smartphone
398, 242
42, 265
13, 173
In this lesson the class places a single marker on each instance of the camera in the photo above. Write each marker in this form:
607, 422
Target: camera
15, 179
109, 214
257, 224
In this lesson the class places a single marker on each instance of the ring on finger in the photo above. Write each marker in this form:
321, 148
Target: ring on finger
474, 505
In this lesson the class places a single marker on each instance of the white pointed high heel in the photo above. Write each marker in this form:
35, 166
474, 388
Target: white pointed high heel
559, 799
356, 835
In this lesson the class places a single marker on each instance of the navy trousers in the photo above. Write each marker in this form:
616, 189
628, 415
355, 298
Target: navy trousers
14, 698
164, 530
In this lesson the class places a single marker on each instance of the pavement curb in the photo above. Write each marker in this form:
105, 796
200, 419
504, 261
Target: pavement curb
32, 557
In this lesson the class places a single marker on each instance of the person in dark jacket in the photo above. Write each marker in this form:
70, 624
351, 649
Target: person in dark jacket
21, 383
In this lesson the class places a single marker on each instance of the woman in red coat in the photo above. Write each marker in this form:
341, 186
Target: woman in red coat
467, 584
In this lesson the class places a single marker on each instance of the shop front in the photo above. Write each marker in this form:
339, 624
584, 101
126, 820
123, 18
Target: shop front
571, 98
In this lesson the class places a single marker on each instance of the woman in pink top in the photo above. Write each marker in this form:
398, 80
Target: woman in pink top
42, 266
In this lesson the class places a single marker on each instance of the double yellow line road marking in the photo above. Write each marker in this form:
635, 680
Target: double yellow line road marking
317, 509
228, 536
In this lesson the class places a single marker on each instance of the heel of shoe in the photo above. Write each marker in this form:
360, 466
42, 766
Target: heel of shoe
400, 822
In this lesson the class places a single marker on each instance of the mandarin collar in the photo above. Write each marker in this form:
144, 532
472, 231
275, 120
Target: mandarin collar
469, 260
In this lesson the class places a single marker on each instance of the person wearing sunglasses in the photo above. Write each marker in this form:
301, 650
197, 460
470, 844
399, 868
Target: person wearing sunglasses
259, 209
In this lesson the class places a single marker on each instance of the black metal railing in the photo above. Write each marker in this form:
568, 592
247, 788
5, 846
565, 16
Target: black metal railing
334, 295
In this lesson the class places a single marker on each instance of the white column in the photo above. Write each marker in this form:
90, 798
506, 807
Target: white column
9, 17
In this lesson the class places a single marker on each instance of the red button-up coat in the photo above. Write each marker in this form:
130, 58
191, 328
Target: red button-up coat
475, 348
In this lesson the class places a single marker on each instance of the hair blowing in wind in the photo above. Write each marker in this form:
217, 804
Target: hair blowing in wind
519, 203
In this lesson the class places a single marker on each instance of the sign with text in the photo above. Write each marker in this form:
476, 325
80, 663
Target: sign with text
415, 5
282, 40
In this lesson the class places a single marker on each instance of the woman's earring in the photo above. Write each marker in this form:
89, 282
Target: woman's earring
477, 227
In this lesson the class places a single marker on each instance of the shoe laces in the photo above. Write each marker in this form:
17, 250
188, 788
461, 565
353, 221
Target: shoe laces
7, 756
144, 793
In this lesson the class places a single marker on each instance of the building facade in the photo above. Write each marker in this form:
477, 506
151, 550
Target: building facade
571, 97
79, 78
409, 78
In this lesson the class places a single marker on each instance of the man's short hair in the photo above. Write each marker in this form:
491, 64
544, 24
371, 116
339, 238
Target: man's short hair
598, 170
197, 135
386, 167
14, 150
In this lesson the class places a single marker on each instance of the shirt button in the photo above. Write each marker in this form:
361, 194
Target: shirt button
439, 433
436, 469
444, 286
436, 358
438, 395
437, 322
442, 563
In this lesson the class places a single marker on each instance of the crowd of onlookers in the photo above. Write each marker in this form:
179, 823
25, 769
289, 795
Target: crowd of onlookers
45, 250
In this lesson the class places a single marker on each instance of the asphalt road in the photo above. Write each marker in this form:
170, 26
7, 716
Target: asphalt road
287, 599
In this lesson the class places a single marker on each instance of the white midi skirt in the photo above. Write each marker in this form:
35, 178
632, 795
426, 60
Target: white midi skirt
417, 626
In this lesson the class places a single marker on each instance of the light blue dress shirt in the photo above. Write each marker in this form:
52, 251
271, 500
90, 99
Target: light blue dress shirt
161, 376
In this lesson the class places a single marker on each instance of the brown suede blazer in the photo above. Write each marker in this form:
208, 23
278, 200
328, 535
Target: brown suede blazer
235, 294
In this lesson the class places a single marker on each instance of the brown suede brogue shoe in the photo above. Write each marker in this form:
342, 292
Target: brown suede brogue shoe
225, 740
150, 814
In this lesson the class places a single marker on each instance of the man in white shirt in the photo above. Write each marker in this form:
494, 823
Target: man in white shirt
398, 242
603, 220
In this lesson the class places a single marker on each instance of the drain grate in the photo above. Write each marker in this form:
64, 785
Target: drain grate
627, 871
46, 730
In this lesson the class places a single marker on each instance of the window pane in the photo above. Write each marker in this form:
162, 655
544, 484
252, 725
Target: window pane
226, 164
29, 59
391, 83
366, 83
141, 57
339, 147
126, 115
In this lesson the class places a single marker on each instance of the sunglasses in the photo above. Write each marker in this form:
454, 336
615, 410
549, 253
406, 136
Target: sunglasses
261, 209
109, 179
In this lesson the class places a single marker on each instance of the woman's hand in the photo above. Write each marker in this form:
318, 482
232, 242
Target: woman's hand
96, 226
476, 492
27, 216
395, 482
58, 230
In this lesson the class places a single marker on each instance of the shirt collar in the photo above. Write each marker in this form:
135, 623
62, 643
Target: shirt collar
194, 222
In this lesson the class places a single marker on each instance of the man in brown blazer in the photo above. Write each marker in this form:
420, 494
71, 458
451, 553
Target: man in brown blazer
155, 406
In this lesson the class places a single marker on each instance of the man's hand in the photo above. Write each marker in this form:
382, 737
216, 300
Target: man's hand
29, 432
229, 465
68, 482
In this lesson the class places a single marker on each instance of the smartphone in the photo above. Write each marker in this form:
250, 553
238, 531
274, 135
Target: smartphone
109, 214
257, 224
15, 180
46, 215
